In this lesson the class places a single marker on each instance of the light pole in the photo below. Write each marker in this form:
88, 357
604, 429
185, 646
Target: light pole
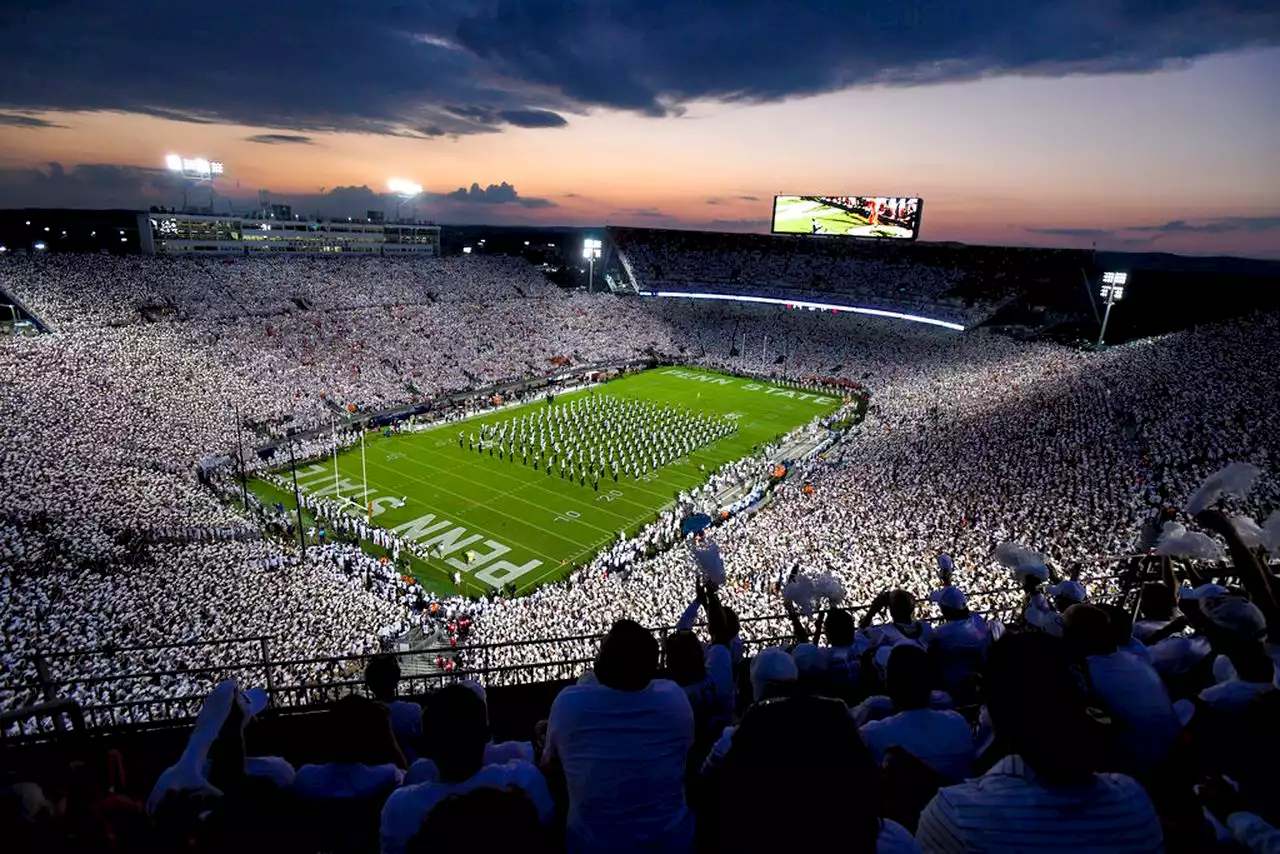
1113, 290
297, 502
591, 249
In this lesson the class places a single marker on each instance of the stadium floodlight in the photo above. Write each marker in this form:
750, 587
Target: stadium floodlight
195, 168
404, 187
404, 190
199, 169
40, 245
466, 250
1112, 290
591, 249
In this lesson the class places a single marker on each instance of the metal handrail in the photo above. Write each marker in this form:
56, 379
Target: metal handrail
474, 663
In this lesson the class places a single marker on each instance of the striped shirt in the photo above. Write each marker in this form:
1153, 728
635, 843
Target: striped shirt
1007, 809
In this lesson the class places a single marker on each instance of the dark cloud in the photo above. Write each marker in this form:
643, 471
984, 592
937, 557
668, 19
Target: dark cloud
734, 49
113, 186
533, 118
496, 194
714, 202
280, 139
454, 67
15, 120
1129, 234
749, 198
89, 186
1090, 233
1221, 225
643, 213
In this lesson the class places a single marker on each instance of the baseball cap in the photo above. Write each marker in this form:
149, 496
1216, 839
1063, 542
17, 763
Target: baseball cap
949, 597
770, 667
1204, 591
1073, 590
1235, 615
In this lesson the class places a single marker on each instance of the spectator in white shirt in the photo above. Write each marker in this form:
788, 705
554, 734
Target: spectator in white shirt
456, 741
623, 743
940, 739
1236, 628
1044, 795
707, 680
959, 641
1126, 687
382, 676
365, 761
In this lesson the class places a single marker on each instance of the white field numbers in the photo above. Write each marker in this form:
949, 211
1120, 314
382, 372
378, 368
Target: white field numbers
568, 516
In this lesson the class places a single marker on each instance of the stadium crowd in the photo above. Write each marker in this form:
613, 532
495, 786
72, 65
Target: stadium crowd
1089, 732
970, 441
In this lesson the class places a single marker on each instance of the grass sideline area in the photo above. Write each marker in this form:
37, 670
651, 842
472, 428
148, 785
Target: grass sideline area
523, 525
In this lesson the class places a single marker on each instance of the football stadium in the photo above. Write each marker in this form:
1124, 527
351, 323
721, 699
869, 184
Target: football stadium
445, 492
388, 517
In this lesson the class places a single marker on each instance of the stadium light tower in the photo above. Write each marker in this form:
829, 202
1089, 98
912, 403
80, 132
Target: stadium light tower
404, 190
591, 249
197, 169
1113, 291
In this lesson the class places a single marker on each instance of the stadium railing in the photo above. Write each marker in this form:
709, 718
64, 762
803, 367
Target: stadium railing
295, 684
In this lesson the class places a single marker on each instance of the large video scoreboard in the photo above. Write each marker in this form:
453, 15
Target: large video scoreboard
884, 217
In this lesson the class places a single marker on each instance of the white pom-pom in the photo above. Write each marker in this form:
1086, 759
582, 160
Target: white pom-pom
1176, 541
1235, 480
829, 586
799, 592
710, 564
1248, 531
1021, 559
1271, 533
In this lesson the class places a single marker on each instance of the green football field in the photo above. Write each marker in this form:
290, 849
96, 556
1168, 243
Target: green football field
502, 521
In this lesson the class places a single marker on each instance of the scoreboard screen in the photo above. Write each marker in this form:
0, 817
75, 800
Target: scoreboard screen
885, 217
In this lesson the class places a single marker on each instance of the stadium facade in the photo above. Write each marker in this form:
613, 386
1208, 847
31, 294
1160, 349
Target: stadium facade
214, 234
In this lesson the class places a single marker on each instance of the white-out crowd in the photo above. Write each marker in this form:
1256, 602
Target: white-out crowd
971, 440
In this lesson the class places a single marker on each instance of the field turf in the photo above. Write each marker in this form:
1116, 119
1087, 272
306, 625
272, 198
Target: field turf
499, 521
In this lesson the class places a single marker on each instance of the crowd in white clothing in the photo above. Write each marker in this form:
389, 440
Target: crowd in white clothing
970, 440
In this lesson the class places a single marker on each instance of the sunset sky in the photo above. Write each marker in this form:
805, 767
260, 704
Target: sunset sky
1150, 125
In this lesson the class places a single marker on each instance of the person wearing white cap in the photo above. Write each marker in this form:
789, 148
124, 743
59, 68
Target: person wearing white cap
1235, 628
1126, 687
773, 674
960, 640
1039, 613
